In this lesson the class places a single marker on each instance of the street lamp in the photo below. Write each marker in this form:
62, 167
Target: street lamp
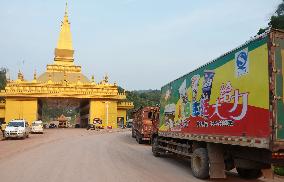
106, 102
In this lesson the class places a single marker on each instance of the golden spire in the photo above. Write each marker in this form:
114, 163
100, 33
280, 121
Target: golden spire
65, 37
64, 50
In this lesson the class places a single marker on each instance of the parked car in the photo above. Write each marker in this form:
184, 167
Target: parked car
17, 129
129, 123
52, 125
37, 127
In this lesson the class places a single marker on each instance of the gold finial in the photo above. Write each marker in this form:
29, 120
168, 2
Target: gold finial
93, 79
66, 9
35, 75
20, 76
106, 78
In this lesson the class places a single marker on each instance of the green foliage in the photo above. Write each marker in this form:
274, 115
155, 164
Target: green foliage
279, 170
262, 30
143, 98
3, 79
280, 9
276, 20
53, 112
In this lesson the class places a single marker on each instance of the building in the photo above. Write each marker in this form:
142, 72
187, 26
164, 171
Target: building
64, 80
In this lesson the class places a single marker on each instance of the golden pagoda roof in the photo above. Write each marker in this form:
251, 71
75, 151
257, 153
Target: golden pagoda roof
62, 118
61, 76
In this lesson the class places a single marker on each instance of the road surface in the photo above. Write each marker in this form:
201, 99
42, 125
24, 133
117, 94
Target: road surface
78, 155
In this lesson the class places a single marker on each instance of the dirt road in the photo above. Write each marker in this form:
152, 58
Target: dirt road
74, 155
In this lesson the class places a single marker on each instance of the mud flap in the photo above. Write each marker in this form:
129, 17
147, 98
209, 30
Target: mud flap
216, 161
268, 173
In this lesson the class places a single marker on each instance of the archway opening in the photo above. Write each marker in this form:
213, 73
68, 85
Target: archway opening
64, 113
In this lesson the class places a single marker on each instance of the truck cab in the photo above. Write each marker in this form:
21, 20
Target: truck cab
143, 124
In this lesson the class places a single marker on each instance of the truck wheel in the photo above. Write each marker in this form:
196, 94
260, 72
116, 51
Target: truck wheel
138, 139
133, 134
155, 147
200, 163
249, 173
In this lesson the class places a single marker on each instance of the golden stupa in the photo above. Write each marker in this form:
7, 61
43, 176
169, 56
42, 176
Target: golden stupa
64, 80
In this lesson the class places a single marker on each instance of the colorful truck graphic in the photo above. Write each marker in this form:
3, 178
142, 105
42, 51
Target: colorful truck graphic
228, 113
224, 97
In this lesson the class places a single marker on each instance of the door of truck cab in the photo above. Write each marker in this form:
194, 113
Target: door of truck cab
278, 44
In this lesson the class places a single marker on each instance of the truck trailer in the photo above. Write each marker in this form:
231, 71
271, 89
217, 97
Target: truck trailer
144, 123
229, 112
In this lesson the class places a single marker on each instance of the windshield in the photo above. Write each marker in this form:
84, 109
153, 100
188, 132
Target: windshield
16, 124
36, 124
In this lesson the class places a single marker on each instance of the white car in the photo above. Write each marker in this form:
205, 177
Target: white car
37, 127
17, 129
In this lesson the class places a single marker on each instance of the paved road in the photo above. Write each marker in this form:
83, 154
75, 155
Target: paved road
74, 155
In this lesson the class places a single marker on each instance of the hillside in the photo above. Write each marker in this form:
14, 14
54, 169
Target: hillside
142, 98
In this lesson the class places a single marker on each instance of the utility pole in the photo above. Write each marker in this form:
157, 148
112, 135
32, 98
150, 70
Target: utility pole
107, 102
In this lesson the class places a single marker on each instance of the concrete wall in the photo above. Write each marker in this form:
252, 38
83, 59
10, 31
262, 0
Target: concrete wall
21, 109
98, 109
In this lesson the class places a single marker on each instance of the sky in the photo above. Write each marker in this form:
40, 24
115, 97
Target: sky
140, 44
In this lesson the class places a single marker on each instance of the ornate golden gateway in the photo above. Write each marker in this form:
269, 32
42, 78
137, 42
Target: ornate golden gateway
64, 79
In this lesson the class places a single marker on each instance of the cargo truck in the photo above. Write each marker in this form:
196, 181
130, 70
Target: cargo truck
144, 123
228, 113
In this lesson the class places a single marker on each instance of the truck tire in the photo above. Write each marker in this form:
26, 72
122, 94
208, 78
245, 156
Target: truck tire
155, 147
200, 163
138, 139
249, 173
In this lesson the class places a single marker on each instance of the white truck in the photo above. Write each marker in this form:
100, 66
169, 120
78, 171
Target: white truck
17, 129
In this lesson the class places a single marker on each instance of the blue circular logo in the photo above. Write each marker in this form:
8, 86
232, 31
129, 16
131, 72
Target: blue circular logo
242, 60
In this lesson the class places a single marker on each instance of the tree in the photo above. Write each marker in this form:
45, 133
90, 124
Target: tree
3, 79
280, 9
143, 98
276, 20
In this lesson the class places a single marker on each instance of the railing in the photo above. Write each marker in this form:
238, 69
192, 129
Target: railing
125, 104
